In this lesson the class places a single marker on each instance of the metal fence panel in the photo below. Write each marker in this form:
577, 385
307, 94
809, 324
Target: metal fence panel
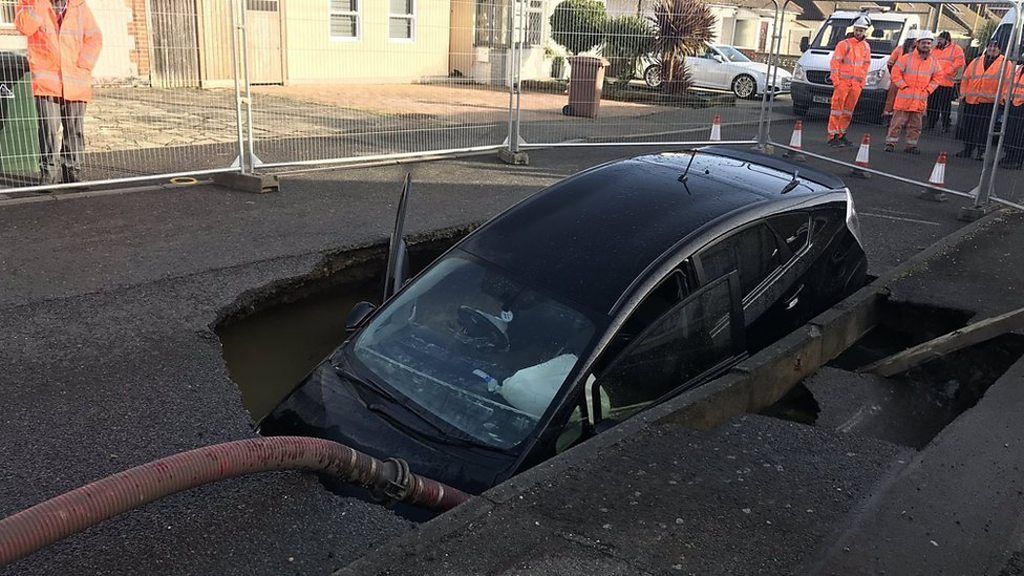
626, 82
155, 107
954, 133
374, 79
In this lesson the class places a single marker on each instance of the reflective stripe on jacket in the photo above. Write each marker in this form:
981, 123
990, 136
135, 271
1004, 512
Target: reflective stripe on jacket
980, 85
916, 78
851, 61
61, 58
952, 59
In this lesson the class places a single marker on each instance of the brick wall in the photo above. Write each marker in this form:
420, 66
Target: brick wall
138, 28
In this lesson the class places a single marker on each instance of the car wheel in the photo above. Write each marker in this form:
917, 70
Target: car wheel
744, 86
652, 76
567, 110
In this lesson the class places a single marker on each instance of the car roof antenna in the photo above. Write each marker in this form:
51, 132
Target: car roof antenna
685, 177
792, 183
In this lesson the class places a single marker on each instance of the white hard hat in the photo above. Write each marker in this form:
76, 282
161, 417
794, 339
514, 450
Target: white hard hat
912, 34
925, 35
862, 22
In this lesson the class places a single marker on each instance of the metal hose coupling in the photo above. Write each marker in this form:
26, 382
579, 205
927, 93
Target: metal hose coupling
394, 483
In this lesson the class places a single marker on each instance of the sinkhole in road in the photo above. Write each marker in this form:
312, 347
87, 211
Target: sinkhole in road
275, 336
910, 408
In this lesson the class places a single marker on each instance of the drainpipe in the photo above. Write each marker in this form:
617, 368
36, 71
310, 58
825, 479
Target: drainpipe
389, 481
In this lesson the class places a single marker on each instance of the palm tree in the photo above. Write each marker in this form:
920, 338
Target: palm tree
684, 28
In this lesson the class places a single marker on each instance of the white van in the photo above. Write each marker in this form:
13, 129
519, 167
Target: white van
812, 84
1002, 33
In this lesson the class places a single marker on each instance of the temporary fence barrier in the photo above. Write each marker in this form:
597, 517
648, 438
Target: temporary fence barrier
194, 87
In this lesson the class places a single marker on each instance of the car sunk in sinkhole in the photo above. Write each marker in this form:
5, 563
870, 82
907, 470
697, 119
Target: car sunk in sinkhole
596, 298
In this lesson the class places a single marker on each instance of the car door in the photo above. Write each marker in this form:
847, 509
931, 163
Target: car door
692, 342
720, 70
767, 257
701, 70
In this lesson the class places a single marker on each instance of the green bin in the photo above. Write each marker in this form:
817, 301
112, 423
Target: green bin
19, 125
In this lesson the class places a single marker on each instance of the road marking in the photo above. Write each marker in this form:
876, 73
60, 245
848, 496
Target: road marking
914, 220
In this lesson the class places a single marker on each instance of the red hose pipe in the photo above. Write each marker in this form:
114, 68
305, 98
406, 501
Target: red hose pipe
57, 518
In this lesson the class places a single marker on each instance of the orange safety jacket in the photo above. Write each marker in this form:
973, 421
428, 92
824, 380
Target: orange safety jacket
61, 58
981, 85
1018, 88
897, 53
952, 59
851, 61
915, 77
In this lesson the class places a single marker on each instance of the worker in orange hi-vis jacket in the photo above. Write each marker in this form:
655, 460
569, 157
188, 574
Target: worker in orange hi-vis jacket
952, 59
915, 76
64, 43
850, 64
906, 48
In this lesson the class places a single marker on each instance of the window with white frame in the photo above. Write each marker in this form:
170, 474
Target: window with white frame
7, 13
402, 20
534, 23
346, 23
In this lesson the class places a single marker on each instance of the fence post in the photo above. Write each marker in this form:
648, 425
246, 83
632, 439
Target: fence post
989, 166
254, 161
510, 153
240, 161
763, 121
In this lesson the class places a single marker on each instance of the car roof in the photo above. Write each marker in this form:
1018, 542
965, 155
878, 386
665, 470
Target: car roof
588, 237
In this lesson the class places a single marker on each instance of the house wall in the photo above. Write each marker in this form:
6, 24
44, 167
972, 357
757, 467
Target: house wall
314, 57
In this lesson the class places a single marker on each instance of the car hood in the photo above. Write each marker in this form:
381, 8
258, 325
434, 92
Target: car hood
328, 405
760, 68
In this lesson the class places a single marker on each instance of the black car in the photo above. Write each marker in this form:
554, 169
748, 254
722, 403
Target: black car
629, 283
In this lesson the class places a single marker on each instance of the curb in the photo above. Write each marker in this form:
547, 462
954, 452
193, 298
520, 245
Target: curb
751, 386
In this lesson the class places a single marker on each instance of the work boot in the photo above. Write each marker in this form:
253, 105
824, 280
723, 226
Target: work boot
46, 179
834, 143
965, 153
890, 147
843, 142
912, 150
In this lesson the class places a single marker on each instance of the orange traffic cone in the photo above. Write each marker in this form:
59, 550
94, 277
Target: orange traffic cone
796, 143
862, 157
716, 129
938, 178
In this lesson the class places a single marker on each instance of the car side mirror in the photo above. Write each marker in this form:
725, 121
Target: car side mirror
359, 313
805, 43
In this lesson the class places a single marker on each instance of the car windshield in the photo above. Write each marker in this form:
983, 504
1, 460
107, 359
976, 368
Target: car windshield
882, 35
731, 54
475, 348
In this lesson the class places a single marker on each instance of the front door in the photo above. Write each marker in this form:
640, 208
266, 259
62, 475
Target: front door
263, 21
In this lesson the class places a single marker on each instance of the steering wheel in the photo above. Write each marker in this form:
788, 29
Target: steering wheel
480, 331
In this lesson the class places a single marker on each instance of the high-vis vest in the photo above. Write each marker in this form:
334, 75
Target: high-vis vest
1018, 88
952, 59
851, 61
916, 78
980, 85
897, 53
61, 58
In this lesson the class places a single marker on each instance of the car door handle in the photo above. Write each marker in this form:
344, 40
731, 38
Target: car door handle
794, 299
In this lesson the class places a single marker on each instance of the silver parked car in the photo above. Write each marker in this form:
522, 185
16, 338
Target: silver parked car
723, 67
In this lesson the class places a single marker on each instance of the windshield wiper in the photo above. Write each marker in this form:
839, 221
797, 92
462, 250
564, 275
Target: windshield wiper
452, 437
350, 374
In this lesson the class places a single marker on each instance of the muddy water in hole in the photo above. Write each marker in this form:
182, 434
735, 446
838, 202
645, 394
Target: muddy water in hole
269, 352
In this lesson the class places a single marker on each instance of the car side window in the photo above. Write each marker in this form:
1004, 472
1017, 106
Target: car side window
754, 252
793, 228
692, 338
